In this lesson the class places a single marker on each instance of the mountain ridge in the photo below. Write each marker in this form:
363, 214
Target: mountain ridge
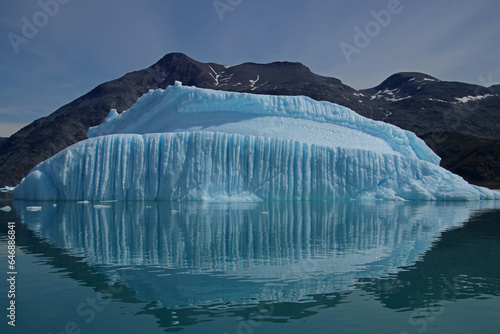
445, 114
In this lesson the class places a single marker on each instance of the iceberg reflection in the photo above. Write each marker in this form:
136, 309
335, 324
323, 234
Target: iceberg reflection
198, 253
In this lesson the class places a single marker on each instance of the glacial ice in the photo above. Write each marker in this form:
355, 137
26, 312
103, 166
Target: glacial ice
186, 143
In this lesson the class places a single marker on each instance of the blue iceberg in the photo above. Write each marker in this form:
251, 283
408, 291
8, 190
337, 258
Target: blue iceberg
187, 143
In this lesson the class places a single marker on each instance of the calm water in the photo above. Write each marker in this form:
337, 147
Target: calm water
288, 267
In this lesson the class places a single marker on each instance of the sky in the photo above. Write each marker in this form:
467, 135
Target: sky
53, 51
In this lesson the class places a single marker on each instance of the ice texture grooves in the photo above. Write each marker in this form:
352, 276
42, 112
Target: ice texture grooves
202, 165
181, 108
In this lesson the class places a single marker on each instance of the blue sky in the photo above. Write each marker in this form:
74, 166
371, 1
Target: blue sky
76, 45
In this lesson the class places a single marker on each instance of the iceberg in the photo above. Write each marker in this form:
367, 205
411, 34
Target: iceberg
187, 143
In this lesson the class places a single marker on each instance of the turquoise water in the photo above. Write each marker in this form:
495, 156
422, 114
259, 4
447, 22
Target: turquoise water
295, 267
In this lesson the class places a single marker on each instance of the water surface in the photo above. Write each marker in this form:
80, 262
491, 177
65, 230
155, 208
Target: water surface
344, 267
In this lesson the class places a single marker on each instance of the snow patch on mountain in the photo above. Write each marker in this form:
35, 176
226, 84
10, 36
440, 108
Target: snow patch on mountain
469, 98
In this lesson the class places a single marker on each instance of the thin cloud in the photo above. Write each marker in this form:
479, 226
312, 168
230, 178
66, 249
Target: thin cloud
8, 129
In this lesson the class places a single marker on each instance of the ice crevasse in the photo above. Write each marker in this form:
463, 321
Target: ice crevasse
187, 143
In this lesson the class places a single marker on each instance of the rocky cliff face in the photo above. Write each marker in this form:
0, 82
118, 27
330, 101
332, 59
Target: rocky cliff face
460, 122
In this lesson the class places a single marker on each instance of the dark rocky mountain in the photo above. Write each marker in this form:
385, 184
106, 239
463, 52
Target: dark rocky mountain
459, 121
423, 104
